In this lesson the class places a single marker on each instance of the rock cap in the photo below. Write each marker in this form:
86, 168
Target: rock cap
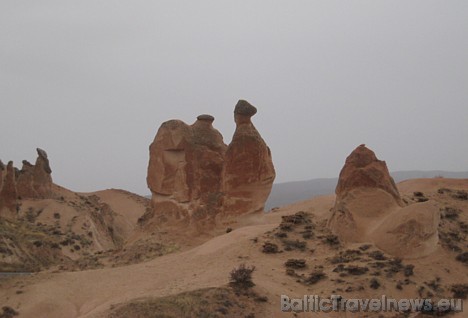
206, 117
243, 107
41, 153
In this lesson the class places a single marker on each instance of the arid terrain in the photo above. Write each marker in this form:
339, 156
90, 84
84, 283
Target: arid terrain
203, 246
353, 270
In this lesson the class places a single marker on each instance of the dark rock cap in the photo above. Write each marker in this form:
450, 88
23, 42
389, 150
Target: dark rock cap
245, 108
2, 166
27, 163
206, 117
41, 153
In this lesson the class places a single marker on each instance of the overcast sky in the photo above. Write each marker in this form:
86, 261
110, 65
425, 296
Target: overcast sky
91, 81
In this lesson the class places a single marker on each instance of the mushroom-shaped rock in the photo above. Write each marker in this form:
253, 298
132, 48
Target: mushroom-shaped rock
248, 170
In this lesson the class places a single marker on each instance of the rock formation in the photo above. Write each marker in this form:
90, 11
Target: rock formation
249, 171
2, 168
31, 182
185, 169
368, 208
8, 193
35, 181
194, 177
363, 169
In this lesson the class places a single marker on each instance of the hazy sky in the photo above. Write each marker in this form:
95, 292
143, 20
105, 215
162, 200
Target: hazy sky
91, 81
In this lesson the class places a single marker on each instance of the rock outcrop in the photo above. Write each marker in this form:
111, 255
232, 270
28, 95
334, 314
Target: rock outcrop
8, 193
363, 169
194, 176
31, 182
368, 208
35, 181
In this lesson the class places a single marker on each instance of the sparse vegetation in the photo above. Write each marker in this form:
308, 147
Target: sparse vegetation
314, 277
8, 312
463, 257
269, 248
450, 213
290, 245
460, 291
460, 195
331, 240
241, 277
374, 283
346, 257
351, 270
377, 255
206, 303
295, 263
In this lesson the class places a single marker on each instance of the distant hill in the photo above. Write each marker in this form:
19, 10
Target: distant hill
289, 192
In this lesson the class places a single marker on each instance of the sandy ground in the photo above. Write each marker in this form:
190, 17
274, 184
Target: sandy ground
91, 293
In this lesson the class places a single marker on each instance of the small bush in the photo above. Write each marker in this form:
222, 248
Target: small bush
290, 245
408, 270
241, 277
460, 291
56, 215
315, 277
461, 195
450, 213
332, 240
365, 247
374, 283
377, 255
295, 263
8, 312
270, 248
463, 258
352, 269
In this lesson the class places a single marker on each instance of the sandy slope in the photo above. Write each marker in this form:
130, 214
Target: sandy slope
91, 293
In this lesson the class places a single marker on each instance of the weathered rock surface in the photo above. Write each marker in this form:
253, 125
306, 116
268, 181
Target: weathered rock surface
194, 177
185, 168
8, 193
31, 182
410, 232
249, 171
363, 169
368, 208
35, 181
